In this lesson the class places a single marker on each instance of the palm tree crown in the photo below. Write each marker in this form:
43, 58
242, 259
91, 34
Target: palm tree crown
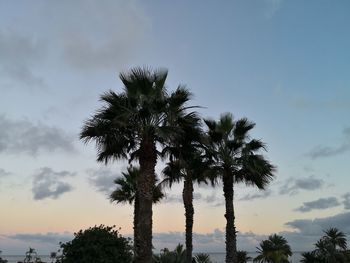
235, 158
275, 250
130, 126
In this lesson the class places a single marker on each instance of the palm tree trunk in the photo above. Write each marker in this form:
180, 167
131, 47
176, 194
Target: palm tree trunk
145, 185
187, 196
231, 246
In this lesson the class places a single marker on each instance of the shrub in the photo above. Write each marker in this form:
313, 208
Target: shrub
100, 244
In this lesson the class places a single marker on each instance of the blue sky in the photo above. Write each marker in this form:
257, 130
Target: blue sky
283, 64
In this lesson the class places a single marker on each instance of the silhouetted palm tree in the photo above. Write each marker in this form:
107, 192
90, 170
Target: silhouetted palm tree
242, 256
202, 258
336, 238
331, 247
129, 126
274, 250
178, 255
309, 257
187, 164
236, 159
126, 193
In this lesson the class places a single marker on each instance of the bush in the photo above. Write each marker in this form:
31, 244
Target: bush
100, 244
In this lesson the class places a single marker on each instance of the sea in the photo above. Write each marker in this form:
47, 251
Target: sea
215, 257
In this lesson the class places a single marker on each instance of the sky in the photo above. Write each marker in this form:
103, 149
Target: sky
283, 64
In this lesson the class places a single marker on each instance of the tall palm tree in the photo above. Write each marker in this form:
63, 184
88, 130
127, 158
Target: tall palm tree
274, 250
129, 126
126, 193
187, 164
236, 159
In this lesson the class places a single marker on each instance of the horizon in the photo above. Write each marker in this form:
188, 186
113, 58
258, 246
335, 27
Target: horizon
282, 64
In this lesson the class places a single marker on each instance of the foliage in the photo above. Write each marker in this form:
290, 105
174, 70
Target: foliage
100, 244
274, 250
187, 164
32, 256
126, 188
330, 248
178, 255
202, 258
242, 256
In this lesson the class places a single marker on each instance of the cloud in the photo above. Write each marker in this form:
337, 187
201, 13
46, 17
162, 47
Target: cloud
315, 227
18, 54
23, 136
102, 179
346, 201
99, 35
50, 238
4, 173
303, 237
330, 104
49, 184
327, 151
321, 151
178, 198
319, 204
259, 195
292, 186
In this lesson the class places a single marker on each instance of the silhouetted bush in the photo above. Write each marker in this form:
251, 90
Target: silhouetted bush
100, 244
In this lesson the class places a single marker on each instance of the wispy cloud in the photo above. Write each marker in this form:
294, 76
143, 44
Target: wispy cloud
23, 136
316, 226
18, 54
46, 238
319, 204
102, 179
329, 151
4, 173
49, 184
259, 195
293, 186
101, 35
346, 201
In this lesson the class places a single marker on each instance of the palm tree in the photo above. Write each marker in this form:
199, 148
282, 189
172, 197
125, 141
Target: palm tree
309, 257
178, 255
187, 164
242, 256
129, 126
202, 258
336, 238
332, 246
236, 159
274, 250
126, 193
